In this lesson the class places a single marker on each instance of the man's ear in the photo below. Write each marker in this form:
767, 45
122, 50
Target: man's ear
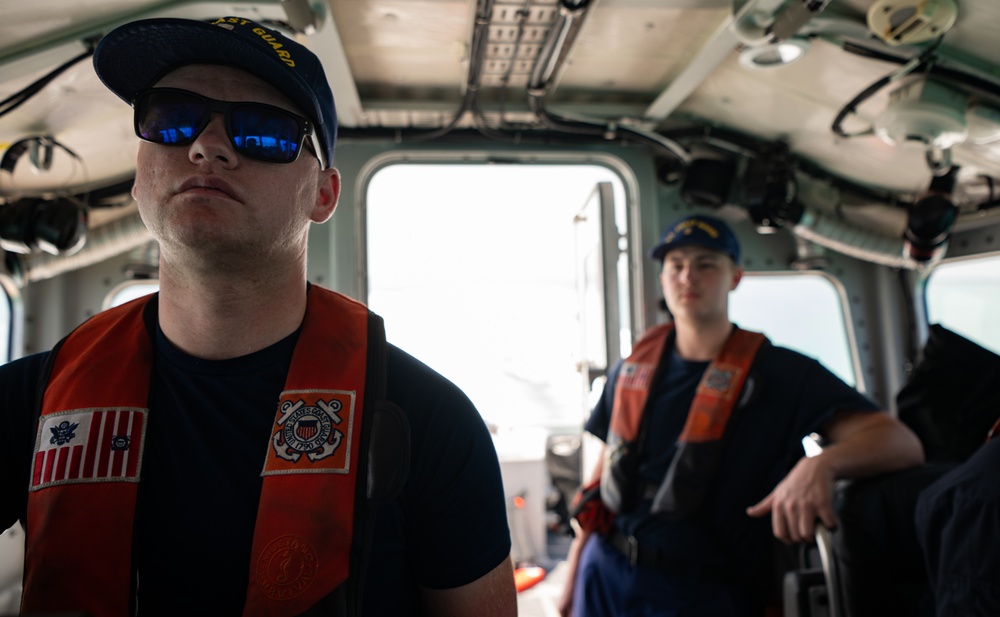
327, 195
737, 277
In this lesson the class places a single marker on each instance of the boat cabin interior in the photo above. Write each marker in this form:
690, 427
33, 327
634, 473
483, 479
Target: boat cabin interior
509, 164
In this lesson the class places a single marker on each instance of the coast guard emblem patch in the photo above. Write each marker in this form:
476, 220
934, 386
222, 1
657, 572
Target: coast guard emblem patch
311, 433
720, 380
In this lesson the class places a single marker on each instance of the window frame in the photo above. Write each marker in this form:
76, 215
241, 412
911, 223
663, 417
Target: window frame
925, 286
109, 298
853, 353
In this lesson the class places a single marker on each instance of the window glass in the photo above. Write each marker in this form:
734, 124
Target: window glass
473, 269
963, 296
801, 311
130, 290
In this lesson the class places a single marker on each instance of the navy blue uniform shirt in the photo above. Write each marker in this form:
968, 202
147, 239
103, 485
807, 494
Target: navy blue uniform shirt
958, 526
209, 427
793, 396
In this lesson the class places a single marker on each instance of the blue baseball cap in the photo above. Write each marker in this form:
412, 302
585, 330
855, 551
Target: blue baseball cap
698, 230
134, 56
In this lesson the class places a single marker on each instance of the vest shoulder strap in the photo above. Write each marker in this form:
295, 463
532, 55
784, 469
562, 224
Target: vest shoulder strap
386, 448
386, 439
149, 317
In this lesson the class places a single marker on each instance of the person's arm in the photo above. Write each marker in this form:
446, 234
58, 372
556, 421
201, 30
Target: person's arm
573, 557
18, 389
597, 424
491, 595
565, 606
863, 444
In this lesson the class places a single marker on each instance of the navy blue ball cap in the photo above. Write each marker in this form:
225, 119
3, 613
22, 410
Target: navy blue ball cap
699, 230
134, 56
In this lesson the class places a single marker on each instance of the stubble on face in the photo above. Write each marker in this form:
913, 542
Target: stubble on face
207, 205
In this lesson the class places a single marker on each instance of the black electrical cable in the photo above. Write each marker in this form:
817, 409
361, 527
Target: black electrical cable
480, 33
481, 125
874, 54
940, 68
17, 99
500, 133
923, 63
108, 196
850, 107
655, 141
748, 146
992, 201
471, 103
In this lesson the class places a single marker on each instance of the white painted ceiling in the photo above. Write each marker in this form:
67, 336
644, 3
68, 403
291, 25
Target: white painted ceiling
405, 64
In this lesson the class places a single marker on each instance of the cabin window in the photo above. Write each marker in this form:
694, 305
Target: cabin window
473, 269
963, 296
130, 290
801, 311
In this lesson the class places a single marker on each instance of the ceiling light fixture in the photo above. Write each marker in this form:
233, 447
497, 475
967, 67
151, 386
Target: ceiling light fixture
774, 54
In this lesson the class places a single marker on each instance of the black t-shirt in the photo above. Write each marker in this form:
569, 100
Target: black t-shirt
209, 426
793, 396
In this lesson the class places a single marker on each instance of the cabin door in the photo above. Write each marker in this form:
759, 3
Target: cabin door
602, 293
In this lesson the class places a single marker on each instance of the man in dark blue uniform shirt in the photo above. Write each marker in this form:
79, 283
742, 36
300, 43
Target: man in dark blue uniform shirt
690, 533
958, 526
238, 127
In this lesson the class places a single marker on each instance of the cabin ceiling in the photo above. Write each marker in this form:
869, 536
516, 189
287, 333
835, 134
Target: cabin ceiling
406, 66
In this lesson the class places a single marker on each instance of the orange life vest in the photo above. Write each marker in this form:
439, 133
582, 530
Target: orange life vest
700, 442
88, 461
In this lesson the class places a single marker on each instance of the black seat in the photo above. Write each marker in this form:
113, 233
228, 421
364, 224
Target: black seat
950, 399
880, 566
870, 565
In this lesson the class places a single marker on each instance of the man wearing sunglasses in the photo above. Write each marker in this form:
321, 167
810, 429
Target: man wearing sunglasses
144, 465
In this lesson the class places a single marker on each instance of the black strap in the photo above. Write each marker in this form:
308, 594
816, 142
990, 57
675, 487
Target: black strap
388, 455
43, 383
649, 557
385, 439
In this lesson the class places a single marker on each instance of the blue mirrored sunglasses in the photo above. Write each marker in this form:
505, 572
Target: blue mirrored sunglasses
174, 117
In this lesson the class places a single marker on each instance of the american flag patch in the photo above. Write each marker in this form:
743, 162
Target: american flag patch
88, 445
635, 376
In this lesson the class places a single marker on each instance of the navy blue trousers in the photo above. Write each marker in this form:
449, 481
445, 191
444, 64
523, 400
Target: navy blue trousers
607, 586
